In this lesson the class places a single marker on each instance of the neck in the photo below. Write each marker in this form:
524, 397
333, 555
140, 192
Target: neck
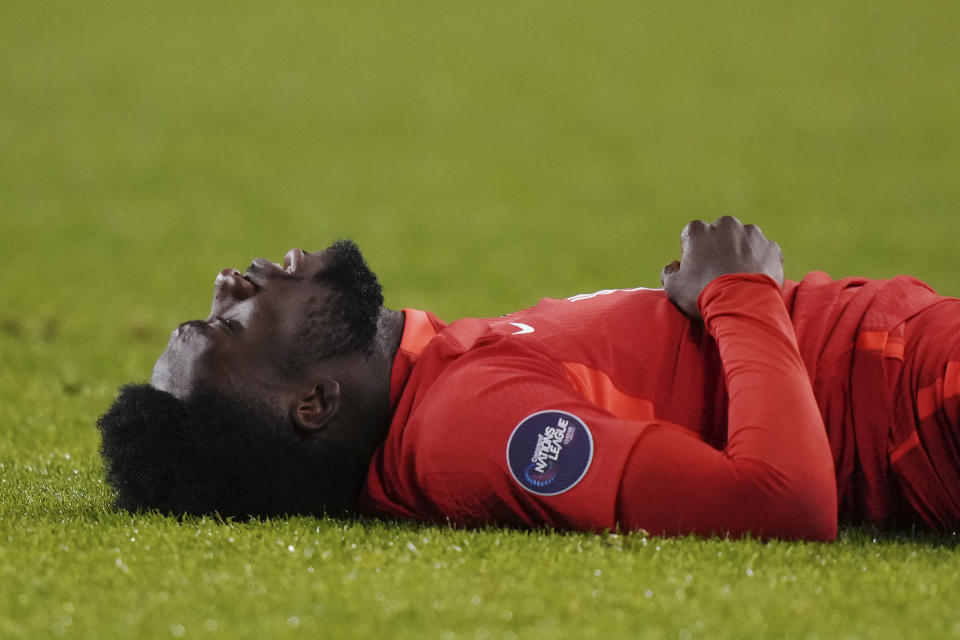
369, 379
389, 335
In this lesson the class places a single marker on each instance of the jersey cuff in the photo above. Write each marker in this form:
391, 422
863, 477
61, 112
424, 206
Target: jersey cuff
718, 285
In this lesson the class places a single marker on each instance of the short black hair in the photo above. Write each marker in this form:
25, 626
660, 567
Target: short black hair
212, 454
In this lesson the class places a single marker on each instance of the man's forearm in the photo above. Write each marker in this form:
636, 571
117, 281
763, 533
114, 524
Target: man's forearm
775, 430
775, 477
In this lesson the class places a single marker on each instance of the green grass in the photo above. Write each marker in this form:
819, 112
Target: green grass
483, 156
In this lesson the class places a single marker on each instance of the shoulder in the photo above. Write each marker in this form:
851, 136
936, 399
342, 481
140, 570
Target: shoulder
500, 379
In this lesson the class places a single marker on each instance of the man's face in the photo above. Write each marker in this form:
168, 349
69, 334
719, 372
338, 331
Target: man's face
266, 326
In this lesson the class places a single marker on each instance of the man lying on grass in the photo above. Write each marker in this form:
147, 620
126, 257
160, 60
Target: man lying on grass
727, 402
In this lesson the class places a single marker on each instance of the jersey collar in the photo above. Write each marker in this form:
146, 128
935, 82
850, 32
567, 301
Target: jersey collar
419, 328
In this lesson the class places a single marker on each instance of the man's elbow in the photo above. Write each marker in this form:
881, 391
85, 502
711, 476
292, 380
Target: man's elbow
803, 507
817, 521
815, 500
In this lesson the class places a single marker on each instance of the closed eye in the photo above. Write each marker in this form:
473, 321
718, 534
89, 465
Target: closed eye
230, 325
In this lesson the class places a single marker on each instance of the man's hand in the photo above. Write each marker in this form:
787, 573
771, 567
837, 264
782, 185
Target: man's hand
710, 251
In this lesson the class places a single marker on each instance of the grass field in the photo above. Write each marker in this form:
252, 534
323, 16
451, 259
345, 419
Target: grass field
483, 155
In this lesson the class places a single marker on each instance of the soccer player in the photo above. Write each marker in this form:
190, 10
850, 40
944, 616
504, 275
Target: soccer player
727, 402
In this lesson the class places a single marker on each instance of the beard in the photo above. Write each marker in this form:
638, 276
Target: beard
345, 320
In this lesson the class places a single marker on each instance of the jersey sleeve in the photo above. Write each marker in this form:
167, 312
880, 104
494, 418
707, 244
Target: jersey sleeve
775, 476
507, 438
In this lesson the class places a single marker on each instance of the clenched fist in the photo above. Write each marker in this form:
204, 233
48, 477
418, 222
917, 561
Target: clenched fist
709, 251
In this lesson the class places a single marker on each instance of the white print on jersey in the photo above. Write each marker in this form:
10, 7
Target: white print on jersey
606, 292
523, 328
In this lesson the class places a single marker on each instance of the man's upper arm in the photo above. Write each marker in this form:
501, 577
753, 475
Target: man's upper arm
510, 440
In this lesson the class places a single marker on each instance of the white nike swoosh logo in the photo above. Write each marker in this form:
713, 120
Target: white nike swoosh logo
524, 328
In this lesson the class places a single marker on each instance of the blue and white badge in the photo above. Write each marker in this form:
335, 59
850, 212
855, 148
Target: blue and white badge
549, 452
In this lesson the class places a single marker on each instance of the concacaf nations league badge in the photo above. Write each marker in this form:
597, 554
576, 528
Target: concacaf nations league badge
549, 452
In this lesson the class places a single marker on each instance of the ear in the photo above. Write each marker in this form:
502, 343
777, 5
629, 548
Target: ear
312, 412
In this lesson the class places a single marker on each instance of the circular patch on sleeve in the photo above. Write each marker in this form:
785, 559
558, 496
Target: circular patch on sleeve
549, 452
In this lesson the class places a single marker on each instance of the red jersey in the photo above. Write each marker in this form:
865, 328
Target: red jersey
614, 409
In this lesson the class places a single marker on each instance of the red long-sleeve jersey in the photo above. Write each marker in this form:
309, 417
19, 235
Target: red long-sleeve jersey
613, 409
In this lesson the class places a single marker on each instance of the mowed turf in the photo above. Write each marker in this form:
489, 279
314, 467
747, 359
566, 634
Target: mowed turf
483, 156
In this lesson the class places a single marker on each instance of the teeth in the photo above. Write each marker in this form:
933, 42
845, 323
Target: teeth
290, 261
